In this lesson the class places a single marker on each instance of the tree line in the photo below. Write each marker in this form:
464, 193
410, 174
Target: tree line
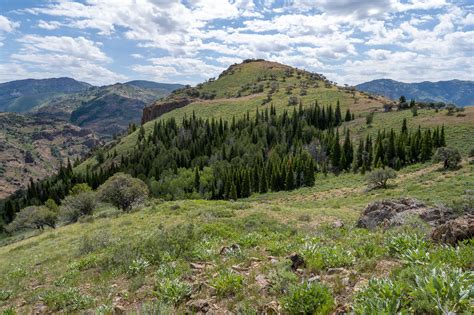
217, 159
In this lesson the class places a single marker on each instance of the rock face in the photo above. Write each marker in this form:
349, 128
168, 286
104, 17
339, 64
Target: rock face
454, 230
387, 213
159, 108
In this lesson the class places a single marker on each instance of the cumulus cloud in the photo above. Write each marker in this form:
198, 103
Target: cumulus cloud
77, 57
351, 41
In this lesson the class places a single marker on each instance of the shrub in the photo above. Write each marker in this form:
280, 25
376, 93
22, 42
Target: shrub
5, 294
308, 298
323, 257
443, 290
380, 296
79, 188
75, 206
379, 178
227, 283
173, 291
137, 266
123, 191
281, 279
449, 156
69, 300
400, 243
33, 217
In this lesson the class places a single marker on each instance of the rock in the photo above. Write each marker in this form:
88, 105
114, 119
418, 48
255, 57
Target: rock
338, 224
332, 271
197, 266
455, 230
272, 307
198, 306
230, 249
387, 213
314, 278
297, 261
239, 268
40, 309
262, 282
119, 309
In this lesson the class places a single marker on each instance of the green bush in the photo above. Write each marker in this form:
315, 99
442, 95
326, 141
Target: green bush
137, 266
398, 244
172, 291
123, 191
69, 300
75, 206
443, 290
5, 294
380, 296
227, 283
308, 298
323, 257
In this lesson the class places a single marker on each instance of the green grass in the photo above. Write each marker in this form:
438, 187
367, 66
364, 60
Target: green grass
144, 256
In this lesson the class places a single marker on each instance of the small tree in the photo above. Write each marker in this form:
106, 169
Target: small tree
79, 188
33, 217
369, 118
77, 205
123, 191
379, 177
449, 156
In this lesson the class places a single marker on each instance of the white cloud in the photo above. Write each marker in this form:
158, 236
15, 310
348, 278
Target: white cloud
52, 25
76, 57
6, 25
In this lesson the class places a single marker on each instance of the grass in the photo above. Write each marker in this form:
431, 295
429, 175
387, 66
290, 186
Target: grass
144, 256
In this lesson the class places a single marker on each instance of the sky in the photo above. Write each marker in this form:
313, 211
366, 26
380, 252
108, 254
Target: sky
189, 41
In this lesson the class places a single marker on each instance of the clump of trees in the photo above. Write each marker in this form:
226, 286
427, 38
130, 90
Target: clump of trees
81, 202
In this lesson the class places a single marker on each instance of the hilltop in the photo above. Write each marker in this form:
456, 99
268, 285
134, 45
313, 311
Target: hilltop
457, 92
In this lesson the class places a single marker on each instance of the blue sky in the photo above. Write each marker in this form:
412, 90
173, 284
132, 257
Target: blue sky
188, 41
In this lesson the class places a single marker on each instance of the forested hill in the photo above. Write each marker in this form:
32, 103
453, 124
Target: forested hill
460, 93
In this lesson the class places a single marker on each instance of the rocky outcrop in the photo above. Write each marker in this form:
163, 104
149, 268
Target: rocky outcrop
387, 213
159, 108
455, 230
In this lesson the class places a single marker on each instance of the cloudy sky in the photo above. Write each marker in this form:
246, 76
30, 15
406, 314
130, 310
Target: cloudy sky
188, 41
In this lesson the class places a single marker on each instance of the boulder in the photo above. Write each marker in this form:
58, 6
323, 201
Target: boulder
297, 261
198, 306
387, 213
454, 230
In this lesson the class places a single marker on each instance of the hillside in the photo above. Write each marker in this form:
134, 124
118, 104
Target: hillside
33, 147
255, 192
24, 95
456, 92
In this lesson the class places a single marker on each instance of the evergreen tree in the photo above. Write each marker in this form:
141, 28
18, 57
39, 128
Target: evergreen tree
337, 114
336, 154
197, 180
348, 115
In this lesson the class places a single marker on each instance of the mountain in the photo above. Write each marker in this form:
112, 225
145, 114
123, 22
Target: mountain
107, 109
34, 147
458, 92
23, 95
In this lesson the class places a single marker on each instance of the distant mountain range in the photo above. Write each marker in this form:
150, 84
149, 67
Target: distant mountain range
458, 92
106, 110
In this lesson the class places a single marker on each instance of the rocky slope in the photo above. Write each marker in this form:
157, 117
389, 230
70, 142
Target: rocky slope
34, 147
457, 92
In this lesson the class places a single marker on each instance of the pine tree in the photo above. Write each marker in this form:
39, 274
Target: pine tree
348, 115
233, 192
336, 154
263, 187
404, 126
337, 114
245, 184
347, 152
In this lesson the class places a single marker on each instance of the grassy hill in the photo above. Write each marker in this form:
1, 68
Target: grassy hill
234, 256
105, 264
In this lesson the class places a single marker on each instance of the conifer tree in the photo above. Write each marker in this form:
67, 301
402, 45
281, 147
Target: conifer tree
348, 115
336, 153
197, 180
337, 114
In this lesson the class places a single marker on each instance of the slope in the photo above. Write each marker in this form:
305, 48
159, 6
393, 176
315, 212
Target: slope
33, 147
